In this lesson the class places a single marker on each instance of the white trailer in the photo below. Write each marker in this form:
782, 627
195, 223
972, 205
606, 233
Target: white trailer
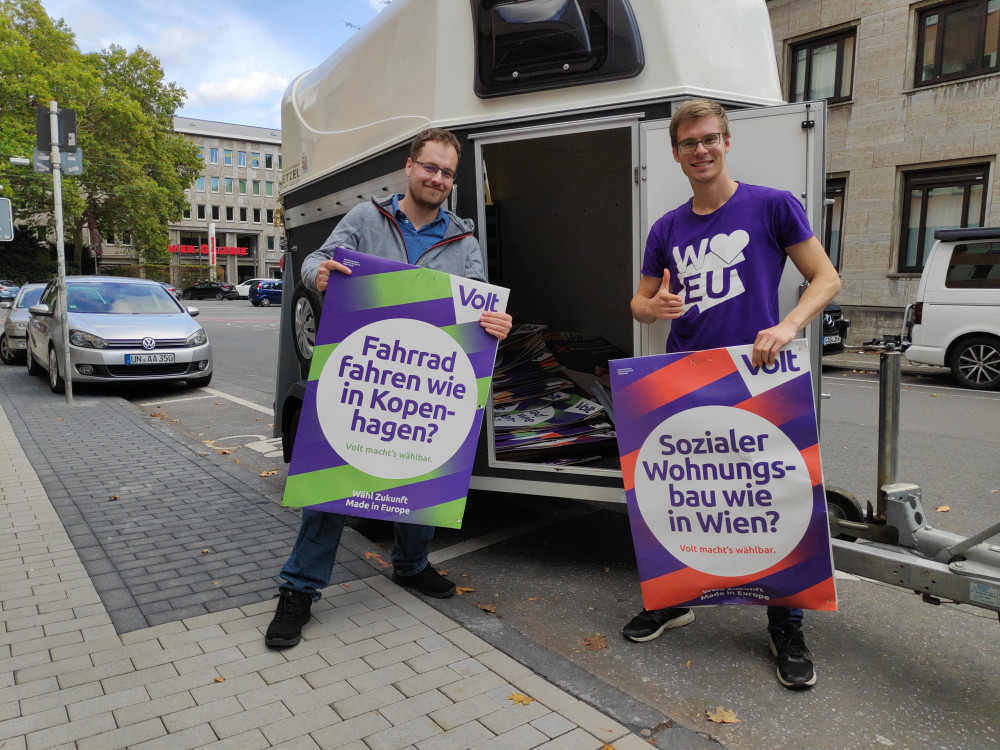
562, 108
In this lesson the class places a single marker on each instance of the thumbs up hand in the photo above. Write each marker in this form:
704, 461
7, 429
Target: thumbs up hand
665, 305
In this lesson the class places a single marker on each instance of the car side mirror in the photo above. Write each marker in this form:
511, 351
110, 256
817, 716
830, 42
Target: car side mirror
193, 311
6, 304
42, 310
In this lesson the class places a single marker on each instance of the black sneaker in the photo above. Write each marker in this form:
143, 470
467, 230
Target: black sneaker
428, 582
292, 613
795, 667
650, 623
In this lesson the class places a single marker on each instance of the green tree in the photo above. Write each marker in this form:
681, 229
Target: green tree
135, 167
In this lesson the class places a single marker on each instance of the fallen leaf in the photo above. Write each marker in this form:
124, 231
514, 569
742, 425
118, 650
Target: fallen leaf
596, 642
463, 590
491, 608
236, 460
943, 508
159, 414
532, 598
270, 473
607, 747
444, 573
935, 395
205, 551
722, 716
113, 497
377, 558
220, 679
175, 420
687, 664
224, 451
518, 698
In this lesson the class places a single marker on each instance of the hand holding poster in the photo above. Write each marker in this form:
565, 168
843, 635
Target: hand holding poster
397, 387
723, 478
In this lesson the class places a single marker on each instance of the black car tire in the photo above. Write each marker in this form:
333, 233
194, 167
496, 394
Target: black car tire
56, 382
8, 355
265, 301
975, 363
306, 309
220, 296
199, 382
33, 367
187, 295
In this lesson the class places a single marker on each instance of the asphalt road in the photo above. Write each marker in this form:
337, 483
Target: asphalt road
893, 672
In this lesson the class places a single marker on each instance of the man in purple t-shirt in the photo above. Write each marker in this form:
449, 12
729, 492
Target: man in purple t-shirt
712, 267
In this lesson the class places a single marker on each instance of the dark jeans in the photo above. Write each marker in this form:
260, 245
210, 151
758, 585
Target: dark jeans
778, 616
310, 565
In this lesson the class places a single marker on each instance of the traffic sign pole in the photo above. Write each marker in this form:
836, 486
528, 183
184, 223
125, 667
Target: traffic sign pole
60, 247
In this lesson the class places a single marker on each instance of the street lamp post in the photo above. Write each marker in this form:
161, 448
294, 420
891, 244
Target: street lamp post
60, 249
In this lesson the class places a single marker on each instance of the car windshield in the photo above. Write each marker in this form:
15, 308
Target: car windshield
30, 297
117, 297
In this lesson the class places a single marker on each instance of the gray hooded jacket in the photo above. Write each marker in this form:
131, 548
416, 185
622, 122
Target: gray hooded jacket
371, 228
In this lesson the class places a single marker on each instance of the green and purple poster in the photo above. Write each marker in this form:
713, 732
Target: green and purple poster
399, 380
723, 479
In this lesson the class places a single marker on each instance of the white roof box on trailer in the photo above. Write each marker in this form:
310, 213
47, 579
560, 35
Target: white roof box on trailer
453, 63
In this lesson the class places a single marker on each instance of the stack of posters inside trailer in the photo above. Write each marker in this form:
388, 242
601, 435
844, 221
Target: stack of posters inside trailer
562, 110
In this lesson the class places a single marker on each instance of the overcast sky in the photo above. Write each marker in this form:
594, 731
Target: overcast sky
233, 57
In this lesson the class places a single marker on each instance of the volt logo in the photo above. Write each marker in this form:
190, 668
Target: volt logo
477, 300
785, 362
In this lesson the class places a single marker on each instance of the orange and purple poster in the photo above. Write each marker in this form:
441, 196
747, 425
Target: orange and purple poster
723, 480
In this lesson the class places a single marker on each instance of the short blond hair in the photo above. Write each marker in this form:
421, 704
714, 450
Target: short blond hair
695, 110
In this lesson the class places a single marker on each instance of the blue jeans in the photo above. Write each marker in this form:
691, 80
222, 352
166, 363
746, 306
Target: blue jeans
778, 616
310, 565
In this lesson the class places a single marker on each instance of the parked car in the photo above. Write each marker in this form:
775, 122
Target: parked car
171, 288
835, 327
266, 293
8, 289
15, 324
955, 319
210, 290
119, 329
244, 287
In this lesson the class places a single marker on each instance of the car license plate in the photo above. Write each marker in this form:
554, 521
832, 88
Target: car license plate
149, 359
831, 340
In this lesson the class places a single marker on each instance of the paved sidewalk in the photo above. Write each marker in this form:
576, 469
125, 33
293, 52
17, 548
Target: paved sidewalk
136, 582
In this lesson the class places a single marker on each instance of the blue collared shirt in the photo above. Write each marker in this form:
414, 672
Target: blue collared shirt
419, 240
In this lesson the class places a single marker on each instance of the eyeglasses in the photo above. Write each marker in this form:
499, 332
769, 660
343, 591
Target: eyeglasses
433, 169
690, 145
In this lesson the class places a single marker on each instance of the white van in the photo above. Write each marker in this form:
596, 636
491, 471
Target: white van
562, 109
955, 320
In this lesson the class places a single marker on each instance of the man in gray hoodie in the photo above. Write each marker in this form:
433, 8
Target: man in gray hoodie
412, 228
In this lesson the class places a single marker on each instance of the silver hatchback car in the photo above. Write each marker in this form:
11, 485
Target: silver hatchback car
119, 329
15, 325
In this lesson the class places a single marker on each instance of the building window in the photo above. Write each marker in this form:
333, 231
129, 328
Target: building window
833, 228
187, 213
241, 158
270, 243
256, 216
215, 184
823, 68
269, 189
229, 186
201, 211
268, 161
957, 40
201, 153
953, 198
270, 216
213, 156
256, 187
229, 213
227, 157
215, 213
126, 239
254, 159
199, 184
279, 161
243, 187
243, 214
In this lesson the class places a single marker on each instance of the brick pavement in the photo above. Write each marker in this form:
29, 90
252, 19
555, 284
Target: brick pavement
117, 631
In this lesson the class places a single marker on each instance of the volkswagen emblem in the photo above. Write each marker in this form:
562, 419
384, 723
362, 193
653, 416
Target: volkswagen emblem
149, 343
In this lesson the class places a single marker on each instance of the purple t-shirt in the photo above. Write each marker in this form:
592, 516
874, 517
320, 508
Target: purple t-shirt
726, 265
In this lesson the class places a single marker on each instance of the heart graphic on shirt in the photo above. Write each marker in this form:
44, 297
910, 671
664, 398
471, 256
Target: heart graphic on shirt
728, 247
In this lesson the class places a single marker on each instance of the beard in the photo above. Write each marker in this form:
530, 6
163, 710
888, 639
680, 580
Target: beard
429, 198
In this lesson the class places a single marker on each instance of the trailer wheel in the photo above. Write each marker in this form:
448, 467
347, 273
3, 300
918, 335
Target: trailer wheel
306, 308
842, 505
